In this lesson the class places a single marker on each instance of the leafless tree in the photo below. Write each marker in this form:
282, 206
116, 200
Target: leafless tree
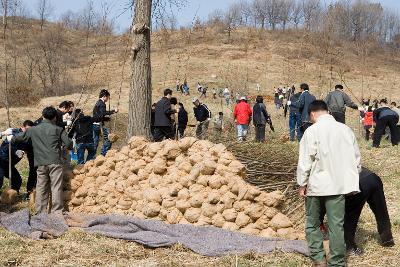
311, 10
88, 19
260, 11
216, 18
286, 10
50, 56
166, 21
297, 14
44, 10
246, 12
232, 19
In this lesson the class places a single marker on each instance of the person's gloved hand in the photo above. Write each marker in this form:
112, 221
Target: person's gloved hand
289, 103
67, 117
361, 109
116, 110
9, 138
20, 154
198, 123
208, 119
69, 122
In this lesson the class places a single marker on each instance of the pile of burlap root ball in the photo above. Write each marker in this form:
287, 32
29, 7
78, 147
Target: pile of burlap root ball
187, 182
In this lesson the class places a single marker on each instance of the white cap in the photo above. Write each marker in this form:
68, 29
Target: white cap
243, 98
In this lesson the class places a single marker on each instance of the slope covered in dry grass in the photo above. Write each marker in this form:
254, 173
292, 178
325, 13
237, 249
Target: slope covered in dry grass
250, 57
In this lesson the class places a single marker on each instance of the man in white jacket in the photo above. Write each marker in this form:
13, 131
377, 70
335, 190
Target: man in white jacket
328, 169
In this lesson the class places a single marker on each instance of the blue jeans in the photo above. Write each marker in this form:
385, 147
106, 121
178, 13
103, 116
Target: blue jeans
96, 138
81, 149
242, 130
294, 125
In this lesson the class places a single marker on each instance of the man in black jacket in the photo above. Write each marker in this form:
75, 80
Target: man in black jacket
163, 127
62, 110
83, 134
63, 119
371, 192
101, 115
203, 117
371, 188
17, 153
305, 99
260, 119
385, 117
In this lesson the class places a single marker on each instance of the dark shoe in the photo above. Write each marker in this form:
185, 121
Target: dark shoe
319, 264
387, 238
389, 243
355, 251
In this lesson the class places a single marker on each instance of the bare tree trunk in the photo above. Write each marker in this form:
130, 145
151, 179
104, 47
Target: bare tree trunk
140, 94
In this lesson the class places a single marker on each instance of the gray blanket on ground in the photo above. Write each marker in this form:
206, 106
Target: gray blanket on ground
207, 241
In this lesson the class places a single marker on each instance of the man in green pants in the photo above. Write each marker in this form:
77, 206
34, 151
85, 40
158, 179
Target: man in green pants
328, 169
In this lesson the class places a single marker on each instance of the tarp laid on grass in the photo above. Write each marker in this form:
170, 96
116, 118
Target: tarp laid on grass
207, 241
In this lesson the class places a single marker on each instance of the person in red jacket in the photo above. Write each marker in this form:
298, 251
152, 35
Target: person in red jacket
242, 114
368, 122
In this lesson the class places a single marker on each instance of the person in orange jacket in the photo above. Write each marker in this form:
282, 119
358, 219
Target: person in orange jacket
242, 114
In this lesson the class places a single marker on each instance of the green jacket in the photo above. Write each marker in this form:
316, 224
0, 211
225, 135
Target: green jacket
47, 139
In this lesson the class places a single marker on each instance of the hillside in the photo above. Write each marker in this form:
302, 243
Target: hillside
207, 55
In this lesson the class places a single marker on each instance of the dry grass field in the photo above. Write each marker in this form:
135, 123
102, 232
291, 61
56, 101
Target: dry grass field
270, 59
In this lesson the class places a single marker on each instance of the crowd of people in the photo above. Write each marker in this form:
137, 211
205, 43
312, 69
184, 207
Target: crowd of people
329, 171
47, 142
170, 119
377, 117
281, 94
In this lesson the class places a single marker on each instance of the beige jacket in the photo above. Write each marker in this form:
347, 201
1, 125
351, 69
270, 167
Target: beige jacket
329, 160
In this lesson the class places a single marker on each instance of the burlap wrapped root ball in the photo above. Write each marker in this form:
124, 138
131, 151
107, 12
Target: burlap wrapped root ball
9, 196
187, 182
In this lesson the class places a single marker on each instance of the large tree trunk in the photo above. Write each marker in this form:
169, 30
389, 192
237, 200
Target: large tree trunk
140, 94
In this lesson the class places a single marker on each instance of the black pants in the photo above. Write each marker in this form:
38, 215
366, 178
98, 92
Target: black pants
367, 132
152, 131
260, 133
371, 188
16, 179
161, 132
339, 117
303, 127
381, 124
398, 133
32, 176
181, 131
